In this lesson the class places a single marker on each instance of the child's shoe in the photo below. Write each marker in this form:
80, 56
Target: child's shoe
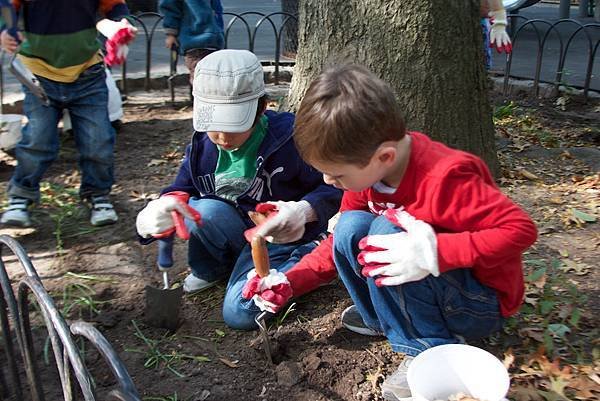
193, 284
395, 386
352, 320
17, 212
103, 212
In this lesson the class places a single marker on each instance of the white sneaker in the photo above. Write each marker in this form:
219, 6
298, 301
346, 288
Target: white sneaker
395, 386
102, 212
352, 320
193, 284
17, 213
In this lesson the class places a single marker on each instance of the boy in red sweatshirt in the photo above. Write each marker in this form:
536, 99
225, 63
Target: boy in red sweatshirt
427, 245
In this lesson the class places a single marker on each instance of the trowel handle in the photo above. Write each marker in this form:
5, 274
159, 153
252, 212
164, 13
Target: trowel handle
260, 256
165, 253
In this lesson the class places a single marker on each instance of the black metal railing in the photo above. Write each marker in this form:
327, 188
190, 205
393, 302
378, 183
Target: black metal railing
148, 22
19, 350
586, 31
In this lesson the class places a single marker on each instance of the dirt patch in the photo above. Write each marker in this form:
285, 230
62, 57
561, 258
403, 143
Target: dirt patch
316, 359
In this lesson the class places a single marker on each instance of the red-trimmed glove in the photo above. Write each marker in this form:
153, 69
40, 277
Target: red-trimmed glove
164, 216
400, 258
118, 36
288, 223
269, 293
498, 36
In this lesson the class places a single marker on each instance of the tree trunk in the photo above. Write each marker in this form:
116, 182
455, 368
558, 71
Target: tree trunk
429, 51
290, 30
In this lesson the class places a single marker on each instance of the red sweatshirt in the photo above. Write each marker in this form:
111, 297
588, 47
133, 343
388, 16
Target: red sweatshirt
477, 226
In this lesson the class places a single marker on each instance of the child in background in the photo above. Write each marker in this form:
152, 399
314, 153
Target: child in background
241, 157
427, 246
195, 27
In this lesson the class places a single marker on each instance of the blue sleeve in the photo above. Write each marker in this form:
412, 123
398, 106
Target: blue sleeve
172, 10
218, 9
183, 181
119, 11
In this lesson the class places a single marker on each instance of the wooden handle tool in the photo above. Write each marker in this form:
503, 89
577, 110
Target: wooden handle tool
260, 256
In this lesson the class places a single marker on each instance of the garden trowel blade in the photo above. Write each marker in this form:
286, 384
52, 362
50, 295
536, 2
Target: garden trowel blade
162, 307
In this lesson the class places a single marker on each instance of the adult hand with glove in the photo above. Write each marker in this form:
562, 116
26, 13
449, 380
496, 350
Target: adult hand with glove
164, 216
118, 35
286, 221
399, 258
498, 36
270, 293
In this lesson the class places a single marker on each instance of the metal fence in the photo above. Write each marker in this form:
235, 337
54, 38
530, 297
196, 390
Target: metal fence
589, 33
276, 22
18, 343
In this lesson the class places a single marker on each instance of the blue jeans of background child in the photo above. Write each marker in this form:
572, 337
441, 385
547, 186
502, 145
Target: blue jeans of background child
217, 249
87, 102
416, 315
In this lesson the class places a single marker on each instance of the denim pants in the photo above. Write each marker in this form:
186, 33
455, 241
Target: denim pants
87, 102
217, 249
417, 315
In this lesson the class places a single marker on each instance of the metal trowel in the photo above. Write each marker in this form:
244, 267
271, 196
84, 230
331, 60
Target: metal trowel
16, 67
260, 257
163, 305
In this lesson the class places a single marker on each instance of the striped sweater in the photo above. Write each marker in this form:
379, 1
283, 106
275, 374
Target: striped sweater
61, 36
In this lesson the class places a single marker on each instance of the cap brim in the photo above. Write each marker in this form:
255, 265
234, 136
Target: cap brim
224, 117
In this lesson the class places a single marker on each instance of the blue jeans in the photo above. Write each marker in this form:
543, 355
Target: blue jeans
416, 315
87, 102
217, 249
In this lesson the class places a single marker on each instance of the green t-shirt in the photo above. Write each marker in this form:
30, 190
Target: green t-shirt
236, 168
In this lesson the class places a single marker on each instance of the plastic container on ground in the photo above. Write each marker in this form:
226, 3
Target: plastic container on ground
446, 370
10, 130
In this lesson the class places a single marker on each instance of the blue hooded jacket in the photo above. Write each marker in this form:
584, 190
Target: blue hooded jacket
281, 175
198, 24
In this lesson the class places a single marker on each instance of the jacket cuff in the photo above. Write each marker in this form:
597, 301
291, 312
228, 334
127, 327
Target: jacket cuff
172, 31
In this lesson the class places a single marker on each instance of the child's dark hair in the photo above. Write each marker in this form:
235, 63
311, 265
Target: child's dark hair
260, 110
345, 115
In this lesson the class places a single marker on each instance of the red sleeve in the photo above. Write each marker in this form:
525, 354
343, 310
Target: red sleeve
317, 267
485, 228
314, 269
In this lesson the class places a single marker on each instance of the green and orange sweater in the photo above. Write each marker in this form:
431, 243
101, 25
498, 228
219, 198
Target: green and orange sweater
61, 39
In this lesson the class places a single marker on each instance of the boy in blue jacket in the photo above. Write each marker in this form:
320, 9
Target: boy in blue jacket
240, 156
194, 26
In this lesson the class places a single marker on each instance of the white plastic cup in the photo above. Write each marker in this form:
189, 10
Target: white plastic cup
445, 370
10, 130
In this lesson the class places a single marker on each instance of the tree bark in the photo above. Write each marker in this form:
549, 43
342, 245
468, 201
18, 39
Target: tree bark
290, 30
429, 51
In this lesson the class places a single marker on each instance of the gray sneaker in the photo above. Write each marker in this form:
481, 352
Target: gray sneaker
193, 284
17, 212
395, 386
352, 320
103, 212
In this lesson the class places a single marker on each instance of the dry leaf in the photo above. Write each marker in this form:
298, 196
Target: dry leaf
156, 162
231, 364
580, 269
509, 358
529, 175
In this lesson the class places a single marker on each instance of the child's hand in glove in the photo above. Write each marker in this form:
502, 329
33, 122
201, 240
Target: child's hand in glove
165, 215
498, 36
399, 258
269, 293
287, 222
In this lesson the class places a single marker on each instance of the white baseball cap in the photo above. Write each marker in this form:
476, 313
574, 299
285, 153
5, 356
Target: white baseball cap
226, 89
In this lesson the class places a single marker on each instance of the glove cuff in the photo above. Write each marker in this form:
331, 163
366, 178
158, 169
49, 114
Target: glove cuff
307, 211
498, 17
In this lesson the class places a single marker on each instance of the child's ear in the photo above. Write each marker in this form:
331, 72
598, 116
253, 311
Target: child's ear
386, 154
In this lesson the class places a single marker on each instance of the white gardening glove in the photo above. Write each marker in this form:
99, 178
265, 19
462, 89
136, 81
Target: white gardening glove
164, 216
400, 258
286, 223
498, 36
270, 293
118, 35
